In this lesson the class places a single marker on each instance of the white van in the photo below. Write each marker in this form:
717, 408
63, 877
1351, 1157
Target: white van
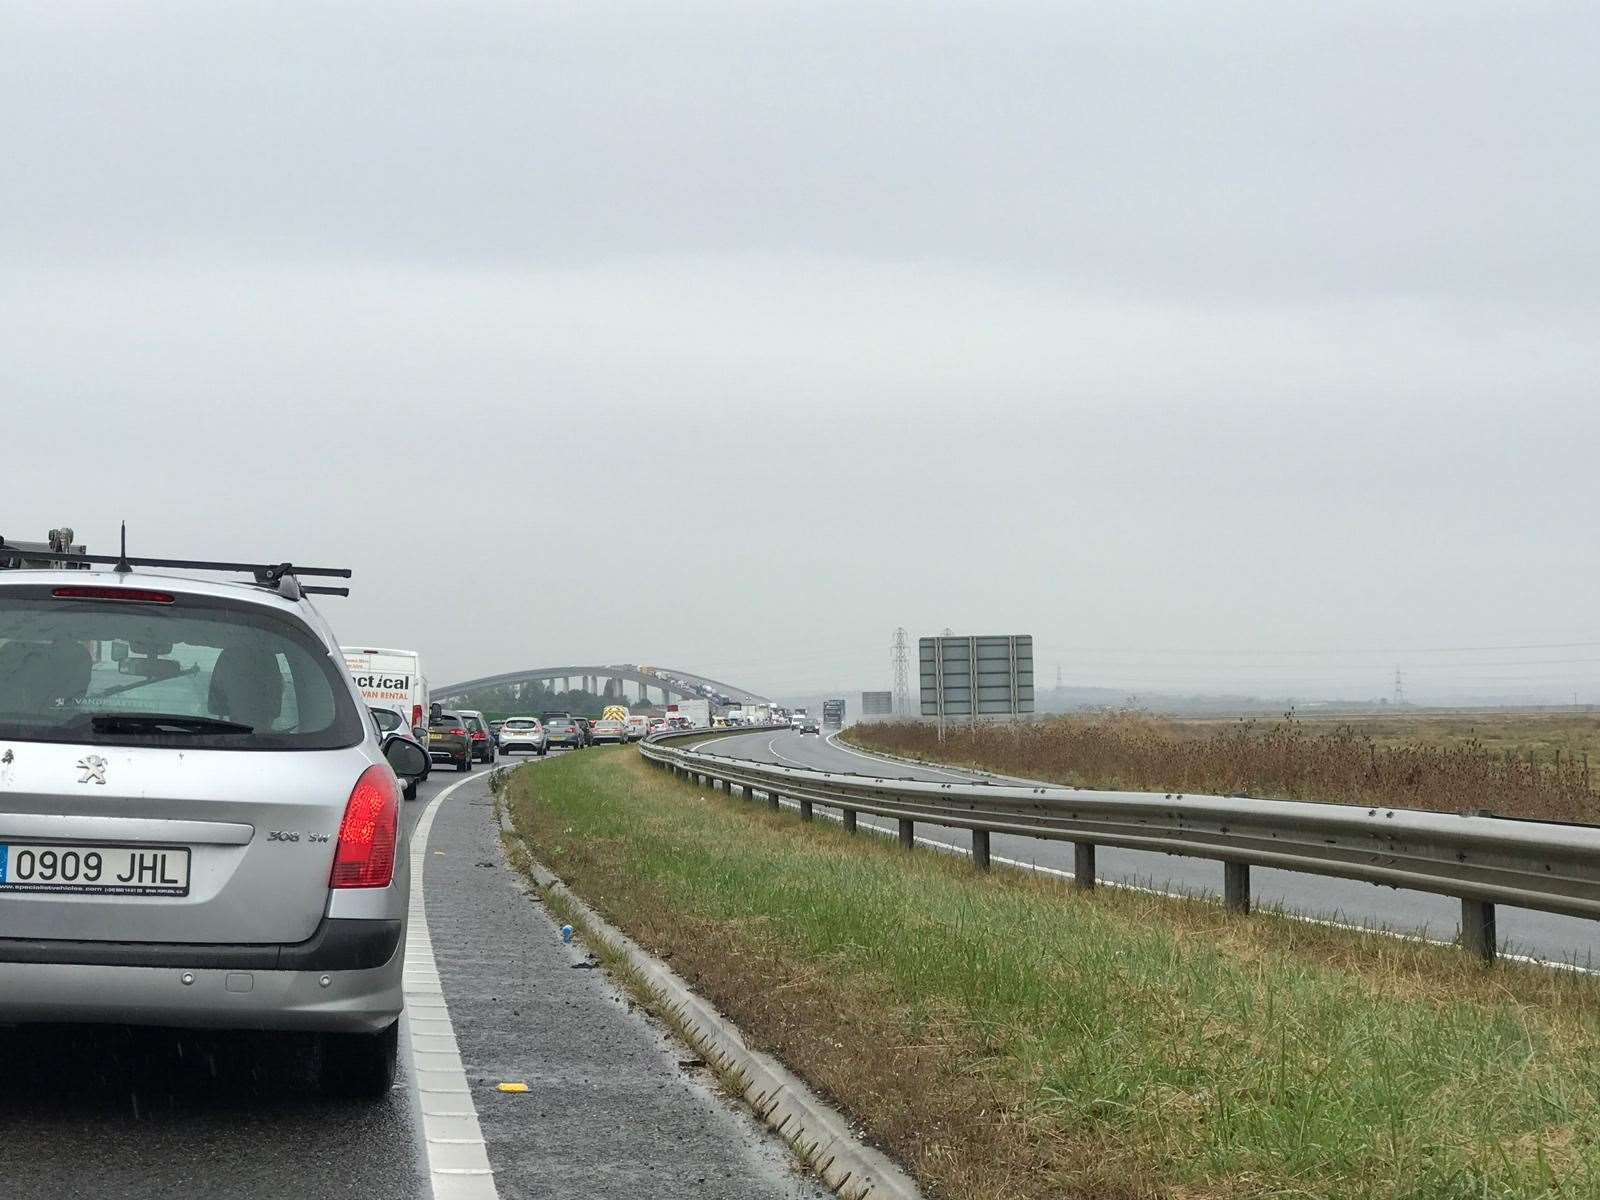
391, 677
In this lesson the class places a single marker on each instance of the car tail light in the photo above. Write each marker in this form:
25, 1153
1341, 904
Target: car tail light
416, 715
364, 857
479, 735
125, 595
458, 733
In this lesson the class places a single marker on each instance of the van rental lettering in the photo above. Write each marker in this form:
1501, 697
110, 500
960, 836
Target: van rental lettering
385, 683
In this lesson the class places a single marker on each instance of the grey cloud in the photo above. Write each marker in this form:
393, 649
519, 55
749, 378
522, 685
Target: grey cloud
1231, 326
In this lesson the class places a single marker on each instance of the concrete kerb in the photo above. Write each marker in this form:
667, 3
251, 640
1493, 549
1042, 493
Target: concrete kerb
818, 1133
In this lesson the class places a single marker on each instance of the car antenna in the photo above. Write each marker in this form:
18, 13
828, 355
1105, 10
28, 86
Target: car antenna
123, 567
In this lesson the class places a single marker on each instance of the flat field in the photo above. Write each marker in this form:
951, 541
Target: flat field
1517, 765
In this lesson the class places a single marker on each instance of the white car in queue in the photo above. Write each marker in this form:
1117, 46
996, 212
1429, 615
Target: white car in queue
199, 821
523, 733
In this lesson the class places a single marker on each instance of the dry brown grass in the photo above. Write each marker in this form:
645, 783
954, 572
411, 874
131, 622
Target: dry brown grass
1287, 759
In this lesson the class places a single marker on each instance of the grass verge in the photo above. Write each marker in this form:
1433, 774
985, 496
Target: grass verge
1007, 1037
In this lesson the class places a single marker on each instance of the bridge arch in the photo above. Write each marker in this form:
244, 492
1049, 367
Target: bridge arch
668, 683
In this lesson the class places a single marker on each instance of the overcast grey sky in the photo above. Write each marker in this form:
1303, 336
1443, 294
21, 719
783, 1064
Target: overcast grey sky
1189, 338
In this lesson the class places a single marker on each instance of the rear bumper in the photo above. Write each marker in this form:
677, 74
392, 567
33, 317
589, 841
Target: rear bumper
185, 994
339, 944
447, 753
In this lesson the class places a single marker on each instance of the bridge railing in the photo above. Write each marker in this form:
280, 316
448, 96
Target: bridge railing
1482, 860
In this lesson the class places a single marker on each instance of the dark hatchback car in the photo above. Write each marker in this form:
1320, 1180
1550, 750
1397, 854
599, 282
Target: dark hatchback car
450, 741
563, 732
586, 727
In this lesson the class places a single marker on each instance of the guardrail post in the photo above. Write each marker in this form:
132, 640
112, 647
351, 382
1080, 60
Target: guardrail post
1477, 929
980, 849
1236, 886
772, 801
1083, 865
849, 820
908, 833
747, 792
805, 810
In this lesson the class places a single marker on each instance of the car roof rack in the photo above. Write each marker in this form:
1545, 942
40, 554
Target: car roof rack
282, 578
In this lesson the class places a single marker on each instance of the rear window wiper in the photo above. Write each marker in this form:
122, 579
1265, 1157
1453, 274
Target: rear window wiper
163, 723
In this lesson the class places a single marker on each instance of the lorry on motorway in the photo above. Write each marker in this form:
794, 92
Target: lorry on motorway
797, 717
390, 677
833, 714
696, 712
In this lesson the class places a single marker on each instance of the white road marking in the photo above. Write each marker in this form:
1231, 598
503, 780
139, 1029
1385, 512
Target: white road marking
782, 757
458, 1159
964, 776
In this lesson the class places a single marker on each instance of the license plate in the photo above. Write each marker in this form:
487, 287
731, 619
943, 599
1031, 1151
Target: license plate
436, 737
103, 870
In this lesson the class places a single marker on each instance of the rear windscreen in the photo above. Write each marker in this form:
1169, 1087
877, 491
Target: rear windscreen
519, 725
388, 720
225, 676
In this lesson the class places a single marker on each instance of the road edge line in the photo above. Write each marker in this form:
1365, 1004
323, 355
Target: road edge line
818, 1133
463, 1172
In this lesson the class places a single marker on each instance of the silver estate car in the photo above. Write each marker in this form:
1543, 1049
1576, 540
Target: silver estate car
199, 822
524, 732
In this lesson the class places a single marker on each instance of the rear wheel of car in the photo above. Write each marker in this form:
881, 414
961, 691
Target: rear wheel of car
410, 790
465, 764
358, 1066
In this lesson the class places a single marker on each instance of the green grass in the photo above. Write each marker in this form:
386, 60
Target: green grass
1009, 1037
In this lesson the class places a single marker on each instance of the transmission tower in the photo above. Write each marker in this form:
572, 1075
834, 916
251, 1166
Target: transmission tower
1058, 677
1399, 687
902, 674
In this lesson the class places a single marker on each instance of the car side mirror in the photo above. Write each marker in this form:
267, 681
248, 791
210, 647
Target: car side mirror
406, 757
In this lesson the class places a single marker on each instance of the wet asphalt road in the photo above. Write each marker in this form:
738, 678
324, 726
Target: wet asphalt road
107, 1111
1542, 935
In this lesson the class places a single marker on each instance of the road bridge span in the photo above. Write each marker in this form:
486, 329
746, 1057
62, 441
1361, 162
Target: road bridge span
612, 680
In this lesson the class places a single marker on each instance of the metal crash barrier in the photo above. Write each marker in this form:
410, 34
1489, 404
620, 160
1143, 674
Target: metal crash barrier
1482, 860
